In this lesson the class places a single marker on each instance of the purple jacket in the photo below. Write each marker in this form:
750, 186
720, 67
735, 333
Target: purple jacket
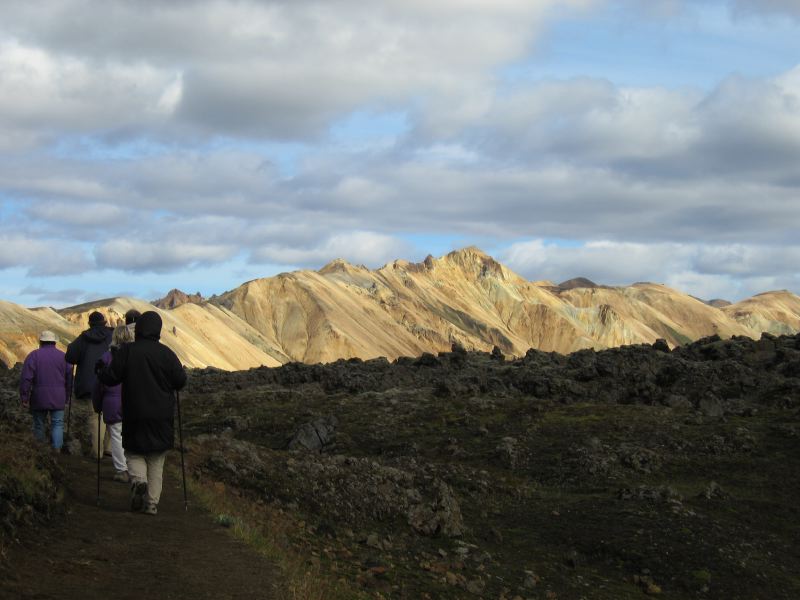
46, 379
108, 397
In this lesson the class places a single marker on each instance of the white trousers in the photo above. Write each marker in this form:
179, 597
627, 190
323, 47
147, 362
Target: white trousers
117, 453
150, 469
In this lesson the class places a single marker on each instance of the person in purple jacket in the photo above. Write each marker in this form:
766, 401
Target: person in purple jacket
45, 388
108, 400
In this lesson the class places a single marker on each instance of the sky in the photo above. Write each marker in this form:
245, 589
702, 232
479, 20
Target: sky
199, 144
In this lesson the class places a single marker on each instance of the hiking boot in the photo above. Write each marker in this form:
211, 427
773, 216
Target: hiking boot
150, 509
122, 477
138, 492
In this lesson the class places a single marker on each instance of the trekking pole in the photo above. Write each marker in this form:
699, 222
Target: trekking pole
65, 442
180, 441
99, 452
69, 407
69, 410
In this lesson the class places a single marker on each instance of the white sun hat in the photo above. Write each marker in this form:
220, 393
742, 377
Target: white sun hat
47, 336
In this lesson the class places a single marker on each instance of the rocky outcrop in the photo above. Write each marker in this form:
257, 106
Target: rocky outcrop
339, 488
175, 298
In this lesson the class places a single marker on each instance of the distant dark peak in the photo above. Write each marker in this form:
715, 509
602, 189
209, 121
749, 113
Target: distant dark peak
175, 298
718, 303
577, 282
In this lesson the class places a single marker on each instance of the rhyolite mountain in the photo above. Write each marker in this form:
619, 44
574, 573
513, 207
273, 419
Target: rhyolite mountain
175, 298
405, 309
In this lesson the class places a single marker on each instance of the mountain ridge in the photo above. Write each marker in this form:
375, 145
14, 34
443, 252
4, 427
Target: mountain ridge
405, 308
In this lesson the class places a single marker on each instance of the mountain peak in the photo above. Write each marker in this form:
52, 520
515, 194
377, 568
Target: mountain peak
577, 282
475, 261
175, 298
340, 265
468, 253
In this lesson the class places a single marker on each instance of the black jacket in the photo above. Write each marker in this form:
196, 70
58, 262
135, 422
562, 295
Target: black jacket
149, 373
84, 352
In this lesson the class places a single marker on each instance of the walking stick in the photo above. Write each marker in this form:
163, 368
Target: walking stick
99, 454
69, 406
65, 441
69, 410
180, 440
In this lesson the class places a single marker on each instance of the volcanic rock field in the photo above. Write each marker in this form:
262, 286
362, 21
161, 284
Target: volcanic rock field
633, 471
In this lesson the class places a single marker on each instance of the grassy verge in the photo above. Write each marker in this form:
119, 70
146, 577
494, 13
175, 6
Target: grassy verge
270, 532
30, 486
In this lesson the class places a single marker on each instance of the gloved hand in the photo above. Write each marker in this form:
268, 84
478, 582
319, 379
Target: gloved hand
99, 366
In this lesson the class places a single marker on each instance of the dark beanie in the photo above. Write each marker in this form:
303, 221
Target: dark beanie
96, 318
131, 316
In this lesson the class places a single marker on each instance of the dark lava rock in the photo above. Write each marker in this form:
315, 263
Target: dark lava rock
314, 435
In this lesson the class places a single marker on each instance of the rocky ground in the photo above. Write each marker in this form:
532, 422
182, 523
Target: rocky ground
616, 474
595, 475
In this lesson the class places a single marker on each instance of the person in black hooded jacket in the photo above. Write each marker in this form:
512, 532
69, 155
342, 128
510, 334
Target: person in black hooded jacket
150, 373
83, 352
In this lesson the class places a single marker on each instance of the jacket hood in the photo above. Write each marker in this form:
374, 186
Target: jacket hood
96, 334
148, 326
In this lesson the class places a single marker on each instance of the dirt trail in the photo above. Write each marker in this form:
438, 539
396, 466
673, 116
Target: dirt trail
109, 552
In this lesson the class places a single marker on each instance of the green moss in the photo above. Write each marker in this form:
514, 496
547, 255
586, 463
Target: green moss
702, 576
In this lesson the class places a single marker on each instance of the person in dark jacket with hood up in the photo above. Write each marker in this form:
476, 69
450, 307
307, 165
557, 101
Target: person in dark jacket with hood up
84, 352
150, 373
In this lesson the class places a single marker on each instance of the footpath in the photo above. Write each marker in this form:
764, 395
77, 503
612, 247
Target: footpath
106, 551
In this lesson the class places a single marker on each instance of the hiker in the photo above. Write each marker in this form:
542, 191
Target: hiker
108, 400
84, 351
149, 373
45, 388
130, 320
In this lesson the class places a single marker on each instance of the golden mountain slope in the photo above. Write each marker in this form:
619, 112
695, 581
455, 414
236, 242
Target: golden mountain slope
20, 327
775, 312
468, 297
199, 336
404, 308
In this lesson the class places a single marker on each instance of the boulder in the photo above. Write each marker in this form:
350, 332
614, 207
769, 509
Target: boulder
440, 516
314, 435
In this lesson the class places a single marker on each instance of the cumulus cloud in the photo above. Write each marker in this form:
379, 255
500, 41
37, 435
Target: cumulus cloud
44, 93
252, 68
359, 247
155, 135
59, 297
653, 132
750, 7
43, 257
706, 271
90, 215
159, 257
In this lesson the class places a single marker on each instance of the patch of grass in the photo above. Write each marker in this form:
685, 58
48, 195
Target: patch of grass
270, 533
